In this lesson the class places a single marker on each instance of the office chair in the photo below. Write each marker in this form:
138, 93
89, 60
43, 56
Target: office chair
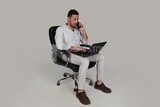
57, 59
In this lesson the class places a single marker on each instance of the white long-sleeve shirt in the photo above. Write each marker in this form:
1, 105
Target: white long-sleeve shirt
65, 38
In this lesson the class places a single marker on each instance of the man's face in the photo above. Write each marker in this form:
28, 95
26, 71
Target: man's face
73, 20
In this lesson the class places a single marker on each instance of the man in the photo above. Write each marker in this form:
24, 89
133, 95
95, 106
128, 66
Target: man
69, 37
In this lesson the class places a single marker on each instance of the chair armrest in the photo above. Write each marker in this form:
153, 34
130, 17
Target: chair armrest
64, 52
67, 55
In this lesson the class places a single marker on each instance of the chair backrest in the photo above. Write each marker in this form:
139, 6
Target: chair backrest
56, 55
52, 32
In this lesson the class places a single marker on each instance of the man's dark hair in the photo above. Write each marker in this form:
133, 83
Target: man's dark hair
72, 12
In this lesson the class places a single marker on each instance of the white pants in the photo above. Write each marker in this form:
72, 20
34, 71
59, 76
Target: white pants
83, 62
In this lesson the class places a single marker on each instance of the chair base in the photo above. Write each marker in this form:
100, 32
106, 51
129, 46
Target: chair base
74, 77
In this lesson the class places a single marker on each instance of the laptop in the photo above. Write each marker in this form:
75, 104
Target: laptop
92, 50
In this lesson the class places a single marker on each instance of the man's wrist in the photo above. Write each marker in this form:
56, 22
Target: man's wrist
83, 32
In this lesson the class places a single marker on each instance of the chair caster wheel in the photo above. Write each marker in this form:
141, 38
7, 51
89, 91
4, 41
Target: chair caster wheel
65, 75
75, 89
90, 83
58, 83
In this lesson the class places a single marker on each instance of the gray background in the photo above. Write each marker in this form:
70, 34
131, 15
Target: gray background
28, 76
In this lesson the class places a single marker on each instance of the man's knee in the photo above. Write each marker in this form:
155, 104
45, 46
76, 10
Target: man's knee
101, 56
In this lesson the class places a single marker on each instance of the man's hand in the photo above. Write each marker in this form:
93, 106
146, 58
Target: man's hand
82, 28
83, 31
76, 49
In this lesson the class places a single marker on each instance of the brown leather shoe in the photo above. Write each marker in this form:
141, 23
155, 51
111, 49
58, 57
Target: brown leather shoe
83, 98
102, 87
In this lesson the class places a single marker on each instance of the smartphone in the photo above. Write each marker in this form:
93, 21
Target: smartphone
78, 26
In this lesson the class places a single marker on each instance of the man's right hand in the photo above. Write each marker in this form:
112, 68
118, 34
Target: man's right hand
76, 49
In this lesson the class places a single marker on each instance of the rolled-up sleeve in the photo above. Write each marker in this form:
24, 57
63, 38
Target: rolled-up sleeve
60, 40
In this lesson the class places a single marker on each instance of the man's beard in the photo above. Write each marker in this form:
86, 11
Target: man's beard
73, 26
